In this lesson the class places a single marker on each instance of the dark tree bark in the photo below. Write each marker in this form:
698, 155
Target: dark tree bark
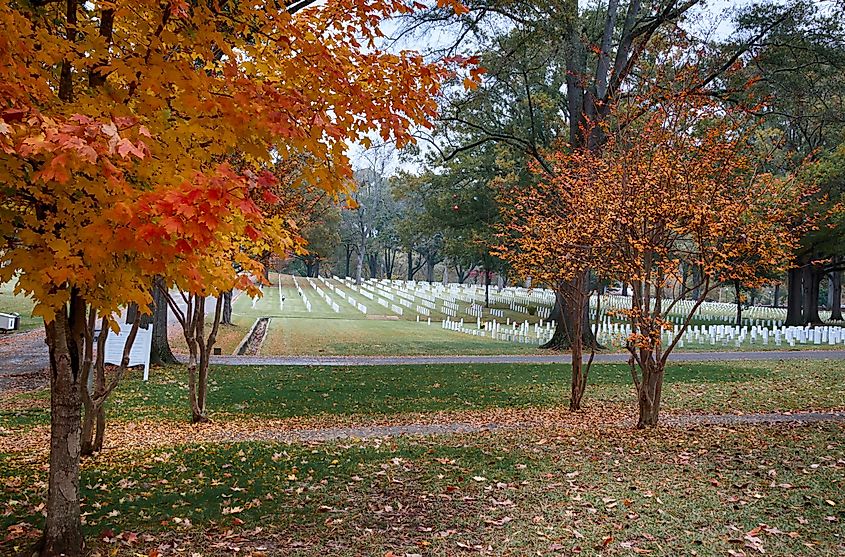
429, 268
650, 393
776, 295
62, 533
795, 297
414, 267
350, 249
563, 314
226, 314
373, 264
577, 293
160, 353
486, 287
836, 295
811, 279
738, 297
389, 262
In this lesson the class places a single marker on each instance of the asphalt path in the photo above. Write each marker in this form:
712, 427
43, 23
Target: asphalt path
560, 358
23, 359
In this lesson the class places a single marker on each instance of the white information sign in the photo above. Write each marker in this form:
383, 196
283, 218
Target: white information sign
139, 354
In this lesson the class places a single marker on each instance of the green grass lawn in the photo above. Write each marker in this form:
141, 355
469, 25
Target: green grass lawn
290, 392
546, 492
11, 303
550, 489
304, 336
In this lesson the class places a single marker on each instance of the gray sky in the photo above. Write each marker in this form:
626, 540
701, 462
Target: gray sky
713, 16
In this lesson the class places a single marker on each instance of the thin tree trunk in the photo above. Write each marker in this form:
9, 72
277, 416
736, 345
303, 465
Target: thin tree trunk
389, 262
738, 296
578, 382
359, 265
226, 315
348, 258
486, 287
836, 295
776, 295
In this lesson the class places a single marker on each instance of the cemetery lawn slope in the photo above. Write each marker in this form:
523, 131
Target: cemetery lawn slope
376, 337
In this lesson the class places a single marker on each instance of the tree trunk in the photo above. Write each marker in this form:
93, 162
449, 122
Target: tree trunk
649, 392
359, 265
63, 529
160, 353
372, 263
794, 299
738, 296
389, 262
836, 295
410, 265
811, 278
486, 288
348, 258
226, 315
461, 274
624, 288
579, 377
578, 380
565, 322
429, 269
776, 295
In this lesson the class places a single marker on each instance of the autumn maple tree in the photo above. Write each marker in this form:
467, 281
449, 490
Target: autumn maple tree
116, 121
677, 183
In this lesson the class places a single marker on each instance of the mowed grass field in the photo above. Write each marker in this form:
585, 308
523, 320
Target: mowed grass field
551, 483
294, 392
12, 303
294, 331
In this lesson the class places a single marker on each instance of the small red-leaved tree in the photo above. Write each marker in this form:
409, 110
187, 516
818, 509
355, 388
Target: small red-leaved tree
543, 237
680, 184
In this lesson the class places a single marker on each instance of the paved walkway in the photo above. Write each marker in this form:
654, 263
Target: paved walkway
381, 431
23, 358
807, 354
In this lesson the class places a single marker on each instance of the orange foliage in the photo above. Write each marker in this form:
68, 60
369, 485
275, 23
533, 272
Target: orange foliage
681, 183
115, 128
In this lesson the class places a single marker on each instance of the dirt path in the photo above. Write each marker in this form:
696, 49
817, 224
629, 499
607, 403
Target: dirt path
600, 416
381, 431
